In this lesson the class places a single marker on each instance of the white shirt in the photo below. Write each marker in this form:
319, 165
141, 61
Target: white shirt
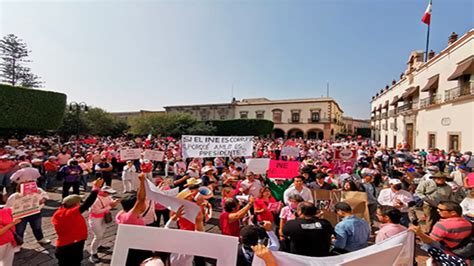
388, 197
467, 206
253, 187
305, 193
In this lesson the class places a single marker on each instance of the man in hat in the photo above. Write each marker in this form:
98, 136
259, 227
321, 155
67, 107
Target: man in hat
71, 227
397, 197
251, 186
432, 192
430, 171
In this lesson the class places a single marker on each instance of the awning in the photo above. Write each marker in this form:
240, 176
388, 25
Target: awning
395, 100
409, 92
385, 105
432, 83
465, 68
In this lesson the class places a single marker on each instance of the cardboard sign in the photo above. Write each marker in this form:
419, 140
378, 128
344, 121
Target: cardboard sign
214, 146
283, 169
326, 199
26, 205
258, 166
154, 155
177, 242
28, 188
345, 154
130, 154
290, 151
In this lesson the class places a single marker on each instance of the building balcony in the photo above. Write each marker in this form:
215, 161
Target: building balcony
459, 91
432, 100
385, 115
392, 113
313, 121
384, 127
291, 121
407, 107
393, 126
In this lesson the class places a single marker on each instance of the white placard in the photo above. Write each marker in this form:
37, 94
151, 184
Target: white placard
154, 155
258, 166
290, 151
130, 154
220, 247
26, 205
397, 250
215, 146
346, 154
191, 210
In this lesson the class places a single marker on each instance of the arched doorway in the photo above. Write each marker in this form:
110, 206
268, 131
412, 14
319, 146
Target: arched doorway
315, 133
278, 133
295, 133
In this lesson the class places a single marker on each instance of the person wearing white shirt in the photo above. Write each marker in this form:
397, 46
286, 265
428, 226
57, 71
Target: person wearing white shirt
129, 177
467, 206
397, 197
298, 188
250, 186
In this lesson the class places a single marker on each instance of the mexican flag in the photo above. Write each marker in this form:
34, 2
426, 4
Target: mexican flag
427, 16
148, 140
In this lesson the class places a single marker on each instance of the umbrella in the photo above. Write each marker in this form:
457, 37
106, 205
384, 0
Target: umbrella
25, 174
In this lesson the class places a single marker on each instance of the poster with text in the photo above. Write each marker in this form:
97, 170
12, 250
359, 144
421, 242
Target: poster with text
216, 146
283, 169
130, 154
152, 155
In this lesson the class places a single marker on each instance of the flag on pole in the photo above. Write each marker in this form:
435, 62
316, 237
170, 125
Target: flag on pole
148, 140
427, 16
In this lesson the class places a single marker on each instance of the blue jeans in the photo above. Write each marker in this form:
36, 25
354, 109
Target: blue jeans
50, 179
404, 220
5, 180
35, 223
83, 181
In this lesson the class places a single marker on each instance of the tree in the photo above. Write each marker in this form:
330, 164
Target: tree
174, 124
14, 71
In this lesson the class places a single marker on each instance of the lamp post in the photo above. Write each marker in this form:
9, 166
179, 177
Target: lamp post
78, 107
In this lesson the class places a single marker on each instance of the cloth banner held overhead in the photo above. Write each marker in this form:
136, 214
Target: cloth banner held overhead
130, 154
283, 169
154, 155
191, 210
397, 250
258, 166
215, 146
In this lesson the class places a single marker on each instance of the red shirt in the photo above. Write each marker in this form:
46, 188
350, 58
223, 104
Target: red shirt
146, 167
50, 166
185, 224
70, 226
229, 228
6, 166
262, 204
451, 231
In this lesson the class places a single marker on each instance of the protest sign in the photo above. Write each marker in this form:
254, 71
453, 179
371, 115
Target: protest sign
290, 151
26, 205
215, 146
345, 154
397, 250
258, 166
177, 242
283, 169
191, 210
154, 155
28, 188
326, 199
130, 154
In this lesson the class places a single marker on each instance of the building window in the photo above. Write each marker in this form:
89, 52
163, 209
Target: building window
431, 141
394, 141
295, 117
260, 114
243, 115
222, 117
277, 115
315, 117
386, 140
454, 142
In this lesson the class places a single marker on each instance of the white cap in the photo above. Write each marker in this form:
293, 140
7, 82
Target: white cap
394, 181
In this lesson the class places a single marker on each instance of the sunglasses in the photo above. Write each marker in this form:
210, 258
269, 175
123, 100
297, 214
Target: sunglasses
444, 210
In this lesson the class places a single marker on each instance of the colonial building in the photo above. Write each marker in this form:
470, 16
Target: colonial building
351, 124
432, 104
319, 118
125, 116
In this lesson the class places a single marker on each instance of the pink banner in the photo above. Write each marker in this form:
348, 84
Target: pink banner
283, 169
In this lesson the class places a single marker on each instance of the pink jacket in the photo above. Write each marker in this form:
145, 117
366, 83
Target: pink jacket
101, 206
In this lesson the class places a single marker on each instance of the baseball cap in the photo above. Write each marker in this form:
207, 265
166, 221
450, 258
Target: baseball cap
394, 181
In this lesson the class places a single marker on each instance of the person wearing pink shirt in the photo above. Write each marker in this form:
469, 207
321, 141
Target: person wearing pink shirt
7, 241
390, 218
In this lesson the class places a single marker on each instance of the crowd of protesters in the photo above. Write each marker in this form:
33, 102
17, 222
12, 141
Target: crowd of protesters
281, 213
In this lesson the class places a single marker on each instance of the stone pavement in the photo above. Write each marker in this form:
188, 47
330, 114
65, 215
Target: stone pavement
33, 253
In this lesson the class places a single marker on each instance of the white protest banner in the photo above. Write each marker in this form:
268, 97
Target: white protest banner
177, 242
154, 155
215, 146
26, 205
172, 192
290, 151
258, 166
191, 210
397, 250
130, 154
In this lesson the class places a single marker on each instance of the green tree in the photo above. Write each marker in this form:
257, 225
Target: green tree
174, 124
99, 121
14, 71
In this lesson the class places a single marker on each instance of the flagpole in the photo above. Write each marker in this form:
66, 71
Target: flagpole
427, 42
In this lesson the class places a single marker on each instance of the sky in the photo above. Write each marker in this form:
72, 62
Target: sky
143, 55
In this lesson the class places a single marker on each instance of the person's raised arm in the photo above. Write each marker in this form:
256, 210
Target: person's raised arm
265, 254
140, 205
93, 196
241, 213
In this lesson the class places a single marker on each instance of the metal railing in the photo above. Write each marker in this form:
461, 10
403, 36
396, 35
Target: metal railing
385, 115
410, 106
467, 89
392, 112
434, 99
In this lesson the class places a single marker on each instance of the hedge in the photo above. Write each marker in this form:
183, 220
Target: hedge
243, 127
30, 109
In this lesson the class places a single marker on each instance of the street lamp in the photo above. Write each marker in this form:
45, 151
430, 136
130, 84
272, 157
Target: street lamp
78, 107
